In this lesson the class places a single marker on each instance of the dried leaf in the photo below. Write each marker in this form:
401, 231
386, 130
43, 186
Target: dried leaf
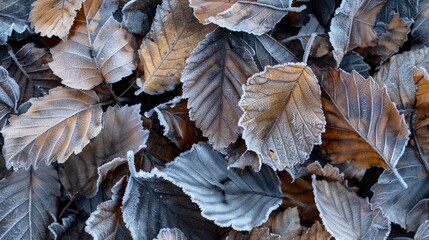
422, 232
242, 201
255, 17
316, 232
164, 50
170, 234
13, 17
98, 48
58, 229
352, 24
397, 76
328, 171
9, 96
420, 119
268, 51
285, 223
405, 8
76, 229
54, 17
137, 15
212, 80
255, 234
29, 67
359, 112
61, 123
147, 197
394, 201
323, 9
122, 132
420, 29
347, 216
203, 9
353, 61
105, 222
282, 118
29, 203
417, 215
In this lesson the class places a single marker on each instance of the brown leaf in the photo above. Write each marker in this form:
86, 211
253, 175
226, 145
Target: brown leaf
359, 113
328, 171
212, 80
29, 67
204, 9
282, 118
164, 50
54, 17
261, 233
98, 48
61, 123
316, 232
286, 223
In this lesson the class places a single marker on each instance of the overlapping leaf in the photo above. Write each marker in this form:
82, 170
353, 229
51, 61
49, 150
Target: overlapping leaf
423, 231
353, 61
286, 223
13, 17
359, 112
282, 118
420, 30
98, 48
53, 128
242, 201
54, 17
29, 67
29, 203
352, 24
122, 132
395, 201
347, 216
173, 35
212, 81
170, 234
316, 232
9, 96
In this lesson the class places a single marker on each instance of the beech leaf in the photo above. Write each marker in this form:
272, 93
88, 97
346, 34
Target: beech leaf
98, 48
54, 17
316, 232
173, 35
29, 203
359, 112
212, 81
61, 123
13, 17
223, 195
122, 132
283, 116
286, 223
9, 96
347, 216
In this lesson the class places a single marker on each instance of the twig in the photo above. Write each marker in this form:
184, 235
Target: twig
308, 47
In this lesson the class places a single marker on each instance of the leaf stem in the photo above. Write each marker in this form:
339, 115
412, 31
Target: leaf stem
67, 206
298, 203
308, 47
116, 98
126, 90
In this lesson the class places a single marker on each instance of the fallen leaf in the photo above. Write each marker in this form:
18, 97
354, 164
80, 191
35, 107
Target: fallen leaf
13, 17
9, 96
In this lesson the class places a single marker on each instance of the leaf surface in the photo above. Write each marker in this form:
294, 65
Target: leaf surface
353, 61
422, 232
170, 234
61, 123
54, 17
242, 201
282, 118
420, 29
9, 96
316, 232
347, 216
29, 203
98, 48
212, 80
13, 17
172, 37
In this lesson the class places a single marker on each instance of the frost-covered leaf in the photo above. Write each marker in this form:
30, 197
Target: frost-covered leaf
261, 233
212, 80
268, 51
353, 61
323, 9
9, 96
61, 123
417, 215
105, 222
420, 119
316, 232
420, 29
173, 35
352, 24
29, 203
283, 116
203, 9
395, 202
241, 200
122, 132
397, 76
29, 67
13, 17
54, 17
321, 45
422, 232
359, 112
328, 171
390, 38
347, 216
73, 228
165, 206
97, 49
58, 229
405, 8
255, 17
137, 15
286, 223
170, 234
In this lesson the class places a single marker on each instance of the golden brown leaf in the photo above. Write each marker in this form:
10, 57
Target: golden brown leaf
54, 17
204, 9
316, 232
